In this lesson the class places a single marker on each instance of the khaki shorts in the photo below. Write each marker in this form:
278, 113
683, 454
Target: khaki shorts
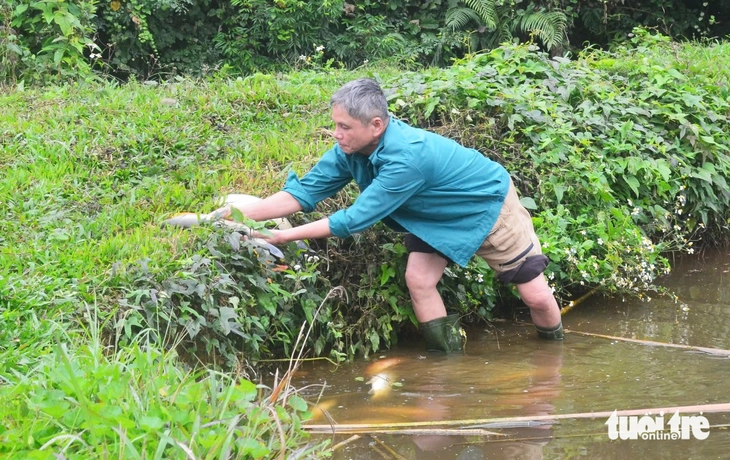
512, 242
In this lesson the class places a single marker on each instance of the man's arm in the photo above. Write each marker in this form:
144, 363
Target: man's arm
280, 204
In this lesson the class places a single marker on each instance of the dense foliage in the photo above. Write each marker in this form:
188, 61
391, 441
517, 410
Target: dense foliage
51, 40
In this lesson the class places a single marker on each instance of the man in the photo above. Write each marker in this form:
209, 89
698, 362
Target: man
452, 201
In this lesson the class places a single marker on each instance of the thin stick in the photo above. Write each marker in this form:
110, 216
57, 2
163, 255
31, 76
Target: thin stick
380, 452
573, 303
301, 337
318, 358
352, 438
475, 423
282, 439
713, 351
392, 452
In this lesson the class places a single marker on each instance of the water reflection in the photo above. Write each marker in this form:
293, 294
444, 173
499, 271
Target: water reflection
507, 373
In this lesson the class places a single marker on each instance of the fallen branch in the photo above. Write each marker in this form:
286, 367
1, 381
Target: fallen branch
713, 351
476, 423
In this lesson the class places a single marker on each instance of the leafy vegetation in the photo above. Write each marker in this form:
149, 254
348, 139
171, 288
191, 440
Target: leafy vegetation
503, 21
46, 41
92, 401
52, 40
622, 157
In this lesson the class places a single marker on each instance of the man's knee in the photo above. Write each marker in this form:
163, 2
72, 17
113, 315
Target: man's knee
418, 279
424, 271
537, 294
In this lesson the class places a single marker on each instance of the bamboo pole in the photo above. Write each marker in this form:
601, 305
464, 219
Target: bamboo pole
424, 432
475, 423
713, 351
574, 303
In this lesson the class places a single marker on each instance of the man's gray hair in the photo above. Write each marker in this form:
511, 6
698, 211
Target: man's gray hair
362, 99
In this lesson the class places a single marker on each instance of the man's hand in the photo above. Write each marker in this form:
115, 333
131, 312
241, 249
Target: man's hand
280, 204
312, 230
275, 237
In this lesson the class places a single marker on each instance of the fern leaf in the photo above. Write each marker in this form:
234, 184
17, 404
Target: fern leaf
487, 11
459, 18
549, 27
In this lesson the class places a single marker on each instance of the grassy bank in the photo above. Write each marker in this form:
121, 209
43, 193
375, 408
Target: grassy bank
89, 173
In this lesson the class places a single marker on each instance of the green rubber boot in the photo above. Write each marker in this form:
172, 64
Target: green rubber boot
553, 333
444, 334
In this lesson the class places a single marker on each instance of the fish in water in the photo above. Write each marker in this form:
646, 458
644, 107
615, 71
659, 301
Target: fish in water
382, 376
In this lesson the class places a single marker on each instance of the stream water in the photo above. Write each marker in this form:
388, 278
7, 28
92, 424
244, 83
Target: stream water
507, 373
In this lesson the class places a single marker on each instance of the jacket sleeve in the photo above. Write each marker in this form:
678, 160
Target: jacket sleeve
326, 178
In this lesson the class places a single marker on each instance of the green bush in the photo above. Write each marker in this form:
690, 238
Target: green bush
261, 34
156, 39
47, 40
230, 302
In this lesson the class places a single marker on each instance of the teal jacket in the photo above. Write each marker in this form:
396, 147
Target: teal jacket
417, 181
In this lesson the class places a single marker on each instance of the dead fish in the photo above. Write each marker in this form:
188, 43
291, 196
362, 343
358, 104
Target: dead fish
382, 376
380, 385
191, 219
241, 199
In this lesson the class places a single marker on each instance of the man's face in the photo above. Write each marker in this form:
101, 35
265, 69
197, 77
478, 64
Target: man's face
354, 136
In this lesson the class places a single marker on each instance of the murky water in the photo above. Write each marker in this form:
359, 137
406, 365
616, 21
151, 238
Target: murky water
507, 373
